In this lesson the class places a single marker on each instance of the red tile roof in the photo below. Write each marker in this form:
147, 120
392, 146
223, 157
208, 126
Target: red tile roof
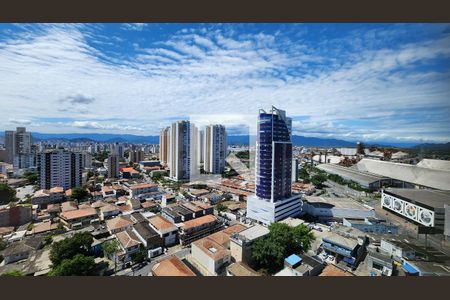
172, 266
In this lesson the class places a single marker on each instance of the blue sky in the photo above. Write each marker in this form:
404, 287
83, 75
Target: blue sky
370, 82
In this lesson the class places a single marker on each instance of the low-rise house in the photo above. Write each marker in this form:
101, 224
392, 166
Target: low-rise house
108, 211
68, 206
129, 173
142, 189
197, 228
54, 209
197, 193
212, 198
149, 205
240, 269
6, 231
21, 250
301, 265
44, 227
129, 245
210, 254
118, 224
42, 198
79, 218
171, 266
344, 249
15, 216
108, 191
167, 199
134, 203
166, 230
380, 262
177, 213
150, 239
399, 250
241, 243
371, 225
331, 270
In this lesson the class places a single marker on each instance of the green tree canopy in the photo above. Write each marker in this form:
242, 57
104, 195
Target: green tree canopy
318, 179
7, 194
220, 207
14, 273
79, 265
79, 243
110, 247
269, 252
32, 177
79, 193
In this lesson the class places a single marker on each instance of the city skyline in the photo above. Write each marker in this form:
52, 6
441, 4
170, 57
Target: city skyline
370, 82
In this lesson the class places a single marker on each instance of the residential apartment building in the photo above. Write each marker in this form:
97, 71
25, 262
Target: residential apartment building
136, 156
113, 166
180, 150
273, 199
164, 147
59, 168
18, 148
215, 149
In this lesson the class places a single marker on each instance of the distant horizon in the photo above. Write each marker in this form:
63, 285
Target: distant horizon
118, 135
357, 81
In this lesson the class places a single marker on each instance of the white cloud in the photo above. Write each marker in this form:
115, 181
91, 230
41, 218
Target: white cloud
220, 73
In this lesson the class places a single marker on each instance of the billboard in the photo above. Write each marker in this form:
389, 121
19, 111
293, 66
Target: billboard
409, 210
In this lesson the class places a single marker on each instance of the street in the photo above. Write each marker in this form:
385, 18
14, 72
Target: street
144, 271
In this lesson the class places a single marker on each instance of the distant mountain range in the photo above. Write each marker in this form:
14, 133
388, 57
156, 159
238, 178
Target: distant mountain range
233, 139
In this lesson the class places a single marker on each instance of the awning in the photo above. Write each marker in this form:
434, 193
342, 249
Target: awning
409, 269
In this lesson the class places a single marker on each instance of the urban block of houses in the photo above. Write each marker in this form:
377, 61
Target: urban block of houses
149, 238
171, 266
78, 218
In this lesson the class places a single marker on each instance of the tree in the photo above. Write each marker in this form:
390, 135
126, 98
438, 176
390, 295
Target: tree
304, 175
101, 156
269, 252
79, 243
7, 194
220, 207
109, 249
318, 179
79, 265
139, 256
2, 245
79, 193
14, 273
32, 177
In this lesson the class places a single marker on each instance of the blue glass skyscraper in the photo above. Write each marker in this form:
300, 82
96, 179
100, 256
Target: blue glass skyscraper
273, 198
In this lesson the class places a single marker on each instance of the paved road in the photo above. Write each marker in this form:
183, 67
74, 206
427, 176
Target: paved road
23, 191
144, 271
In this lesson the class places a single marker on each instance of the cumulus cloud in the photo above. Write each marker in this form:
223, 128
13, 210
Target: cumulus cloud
371, 89
20, 121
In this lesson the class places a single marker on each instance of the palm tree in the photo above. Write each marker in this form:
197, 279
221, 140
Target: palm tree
109, 249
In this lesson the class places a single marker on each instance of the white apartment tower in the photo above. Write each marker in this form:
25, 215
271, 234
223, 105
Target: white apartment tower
215, 149
60, 168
